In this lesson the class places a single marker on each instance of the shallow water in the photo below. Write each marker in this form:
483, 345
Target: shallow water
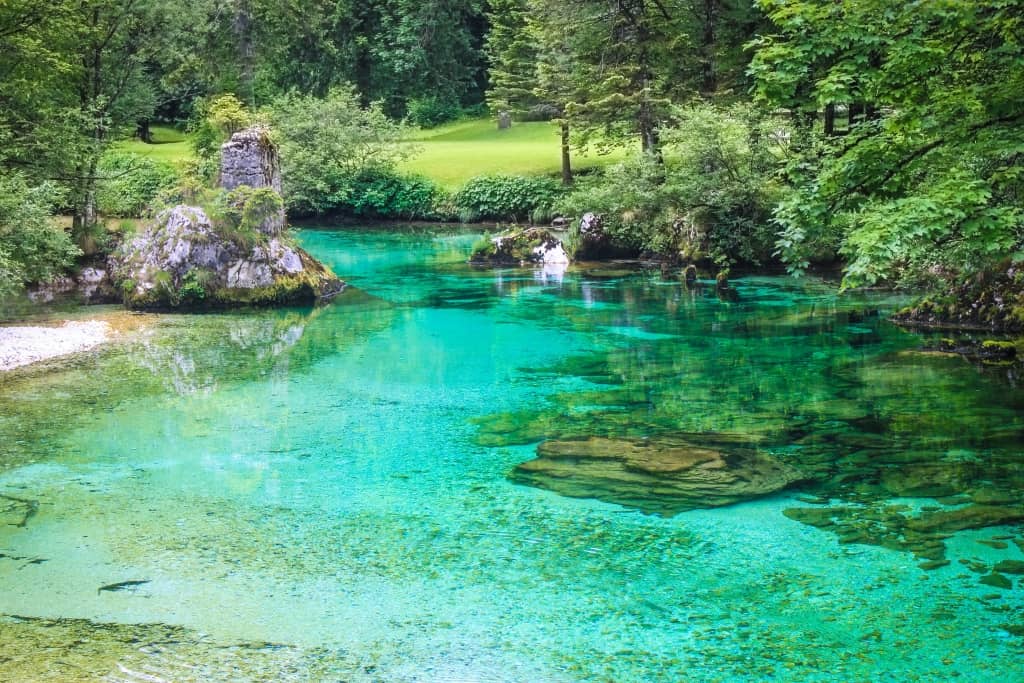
330, 493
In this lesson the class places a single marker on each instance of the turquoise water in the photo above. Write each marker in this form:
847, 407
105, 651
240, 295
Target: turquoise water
331, 493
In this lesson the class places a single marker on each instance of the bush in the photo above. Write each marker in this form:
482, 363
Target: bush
214, 121
240, 215
327, 144
131, 183
33, 248
384, 194
507, 198
711, 198
429, 112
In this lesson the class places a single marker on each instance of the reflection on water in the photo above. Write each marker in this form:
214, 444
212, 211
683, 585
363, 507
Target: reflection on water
460, 474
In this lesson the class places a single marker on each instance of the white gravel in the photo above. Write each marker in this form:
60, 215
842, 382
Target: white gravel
23, 345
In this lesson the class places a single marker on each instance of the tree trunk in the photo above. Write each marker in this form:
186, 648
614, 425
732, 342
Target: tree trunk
830, 120
709, 76
143, 132
566, 161
246, 50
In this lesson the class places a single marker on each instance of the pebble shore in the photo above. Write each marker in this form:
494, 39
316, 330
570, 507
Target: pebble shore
24, 345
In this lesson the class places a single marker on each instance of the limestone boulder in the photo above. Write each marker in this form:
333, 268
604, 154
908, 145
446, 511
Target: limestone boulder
181, 260
250, 159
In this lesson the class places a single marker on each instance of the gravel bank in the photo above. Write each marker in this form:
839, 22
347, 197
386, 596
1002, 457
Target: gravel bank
23, 345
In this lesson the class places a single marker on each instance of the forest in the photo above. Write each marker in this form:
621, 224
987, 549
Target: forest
882, 137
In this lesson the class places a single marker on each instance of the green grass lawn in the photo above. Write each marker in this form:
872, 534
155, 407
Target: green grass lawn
169, 144
449, 155
452, 154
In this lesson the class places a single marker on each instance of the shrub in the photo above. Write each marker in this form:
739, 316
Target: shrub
507, 198
33, 247
711, 198
240, 214
384, 194
131, 182
429, 112
327, 144
214, 121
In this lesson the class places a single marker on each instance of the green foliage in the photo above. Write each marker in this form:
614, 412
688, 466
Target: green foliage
194, 286
512, 51
240, 215
385, 194
506, 198
326, 144
33, 247
930, 178
213, 123
711, 197
130, 183
432, 111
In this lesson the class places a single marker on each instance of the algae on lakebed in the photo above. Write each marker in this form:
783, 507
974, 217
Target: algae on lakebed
829, 391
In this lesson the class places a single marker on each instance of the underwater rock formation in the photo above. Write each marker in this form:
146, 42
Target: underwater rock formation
663, 476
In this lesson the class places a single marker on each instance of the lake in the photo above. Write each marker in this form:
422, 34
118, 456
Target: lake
355, 492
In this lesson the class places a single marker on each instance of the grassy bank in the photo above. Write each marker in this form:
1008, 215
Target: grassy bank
169, 144
449, 155
452, 154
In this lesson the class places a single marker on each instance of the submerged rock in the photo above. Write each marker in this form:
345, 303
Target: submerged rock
181, 260
662, 476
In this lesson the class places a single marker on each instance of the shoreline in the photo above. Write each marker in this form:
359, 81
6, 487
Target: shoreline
27, 344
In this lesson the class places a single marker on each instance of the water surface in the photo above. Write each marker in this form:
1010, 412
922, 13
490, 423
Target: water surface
329, 493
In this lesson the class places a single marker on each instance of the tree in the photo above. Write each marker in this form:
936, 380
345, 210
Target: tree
327, 143
512, 52
932, 178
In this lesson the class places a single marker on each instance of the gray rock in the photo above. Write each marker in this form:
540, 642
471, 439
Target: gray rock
180, 260
250, 159
594, 241
523, 247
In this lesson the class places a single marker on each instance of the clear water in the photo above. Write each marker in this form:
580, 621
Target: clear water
326, 494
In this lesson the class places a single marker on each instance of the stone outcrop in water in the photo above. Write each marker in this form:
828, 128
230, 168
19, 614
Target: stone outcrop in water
181, 260
522, 247
663, 476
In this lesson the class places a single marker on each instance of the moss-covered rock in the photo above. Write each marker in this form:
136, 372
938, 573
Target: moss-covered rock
181, 261
521, 247
992, 299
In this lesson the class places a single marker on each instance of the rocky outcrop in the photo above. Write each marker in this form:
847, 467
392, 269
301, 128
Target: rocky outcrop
250, 159
181, 260
594, 242
663, 476
522, 247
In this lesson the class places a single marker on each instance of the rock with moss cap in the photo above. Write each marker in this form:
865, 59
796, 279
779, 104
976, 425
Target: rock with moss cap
182, 261
185, 260
521, 247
